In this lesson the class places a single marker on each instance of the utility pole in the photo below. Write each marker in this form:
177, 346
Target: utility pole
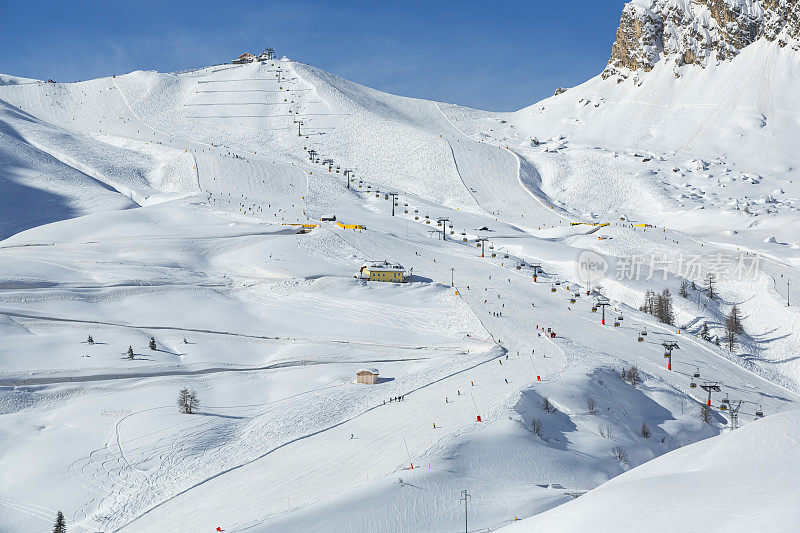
443, 222
536, 268
482, 242
347, 174
668, 347
393, 196
452, 276
464, 497
735, 413
299, 123
603, 304
710, 386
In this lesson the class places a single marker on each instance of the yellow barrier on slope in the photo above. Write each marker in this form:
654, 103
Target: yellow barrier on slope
350, 226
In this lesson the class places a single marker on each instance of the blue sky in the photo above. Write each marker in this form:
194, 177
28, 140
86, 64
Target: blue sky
490, 55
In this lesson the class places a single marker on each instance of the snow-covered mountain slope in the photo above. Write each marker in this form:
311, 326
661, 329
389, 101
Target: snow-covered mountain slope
166, 206
711, 154
684, 488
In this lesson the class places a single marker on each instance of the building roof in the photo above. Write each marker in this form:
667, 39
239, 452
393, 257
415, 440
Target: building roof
370, 370
383, 266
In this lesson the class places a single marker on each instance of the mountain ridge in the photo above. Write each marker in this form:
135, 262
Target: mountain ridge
696, 32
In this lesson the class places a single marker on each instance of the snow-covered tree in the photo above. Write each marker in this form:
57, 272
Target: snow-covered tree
664, 311
153, 343
649, 303
633, 375
188, 402
704, 333
548, 407
60, 525
733, 327
591, 407
619, 454
645, 431
90, 340
684, 291
130, 352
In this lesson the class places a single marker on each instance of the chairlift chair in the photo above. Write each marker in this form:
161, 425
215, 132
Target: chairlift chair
640, 339
594, 309
693, 384
552, 289
723, 407
666, 354
616, 324
696, 373
572, 300
759, 412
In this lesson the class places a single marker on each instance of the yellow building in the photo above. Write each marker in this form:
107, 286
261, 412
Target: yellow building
367, 376
382, 271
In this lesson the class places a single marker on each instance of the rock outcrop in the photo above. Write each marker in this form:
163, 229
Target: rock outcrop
696, 32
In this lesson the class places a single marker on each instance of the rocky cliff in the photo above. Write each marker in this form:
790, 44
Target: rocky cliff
697, 32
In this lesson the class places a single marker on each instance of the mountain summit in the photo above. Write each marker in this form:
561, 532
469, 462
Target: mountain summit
696, 32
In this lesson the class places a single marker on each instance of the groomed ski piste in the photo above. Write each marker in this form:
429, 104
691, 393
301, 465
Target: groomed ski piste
166, 206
